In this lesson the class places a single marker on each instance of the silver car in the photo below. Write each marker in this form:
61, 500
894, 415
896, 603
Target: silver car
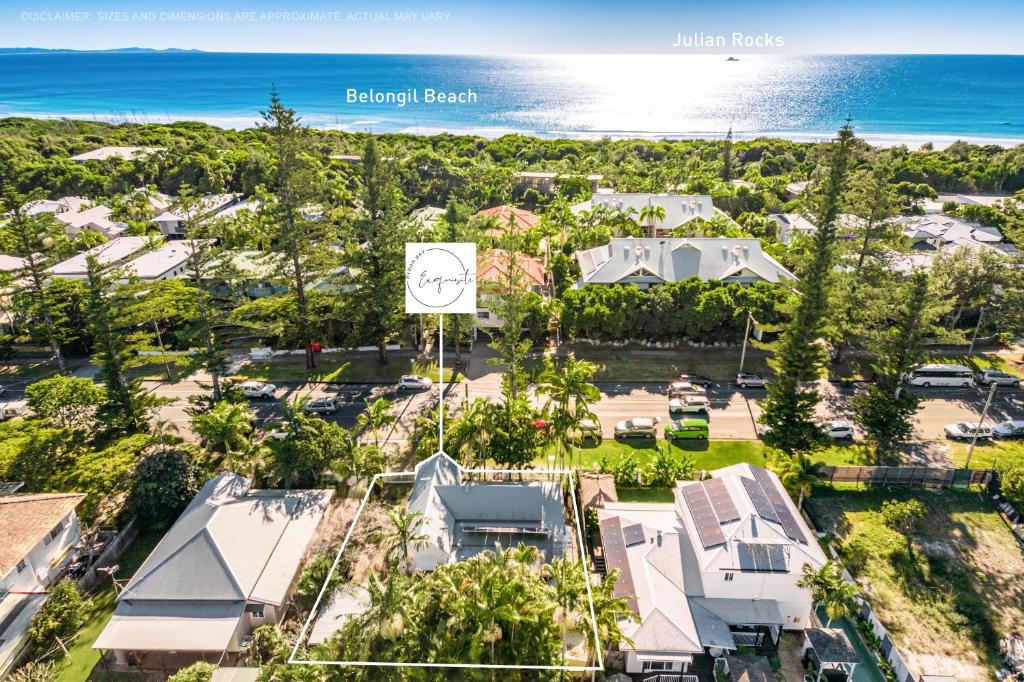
997, 377
749, 379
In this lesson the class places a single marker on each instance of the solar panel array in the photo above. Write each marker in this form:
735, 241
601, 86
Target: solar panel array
721, 500
633, 535
704, 518
614, 545
762, 558
759, 499
779, 506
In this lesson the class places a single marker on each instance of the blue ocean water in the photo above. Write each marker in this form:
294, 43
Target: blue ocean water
975, 97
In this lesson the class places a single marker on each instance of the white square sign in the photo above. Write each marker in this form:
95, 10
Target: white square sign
440, 277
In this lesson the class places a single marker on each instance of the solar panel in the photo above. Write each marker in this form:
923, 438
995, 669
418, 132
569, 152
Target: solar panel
615, 558
761, 558
777, 558
759, 499
779, 506
721, 500
633, 535
704, 518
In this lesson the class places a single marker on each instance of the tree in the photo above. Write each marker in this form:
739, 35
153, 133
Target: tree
200, 671
667, 467
903, 516
68, 402
1012, 480
651, 215
569, 395
886, 406
32, 672
830, 589
610, 613
226, 425
157, 306
789, 407
798, 474
163, 483
403, 537
377, 416
268, 645
60, 616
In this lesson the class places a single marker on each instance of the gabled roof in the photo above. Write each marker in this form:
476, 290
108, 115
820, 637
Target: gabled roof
25, 519
680, 209
108, 253
675, 259
492, 266
521, 219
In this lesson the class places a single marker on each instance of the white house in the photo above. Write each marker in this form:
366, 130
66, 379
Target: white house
38, 533
55, 206
940, 232
169, 261
172, 221
679, 209
715, 571
650, 261
115, 152
107, 254
225, 567
97, 219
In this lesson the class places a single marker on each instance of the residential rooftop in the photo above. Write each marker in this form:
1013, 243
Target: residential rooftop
26, 518
106, 254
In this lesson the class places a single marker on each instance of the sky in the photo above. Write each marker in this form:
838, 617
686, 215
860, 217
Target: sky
520, 26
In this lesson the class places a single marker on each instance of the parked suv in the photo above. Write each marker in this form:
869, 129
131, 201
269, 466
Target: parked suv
695, 379
681, 388
589, 428
689, 404
321, 406
838, 429
686, 429
258, 389
637, 427
745, 379
1009, 429
414, 382
994, 376
966, 430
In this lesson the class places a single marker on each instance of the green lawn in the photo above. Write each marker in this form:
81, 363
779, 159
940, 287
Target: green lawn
947, 596
645, 495
979, 362
360, 368
998, 454
27, 370
638, 364
82, 659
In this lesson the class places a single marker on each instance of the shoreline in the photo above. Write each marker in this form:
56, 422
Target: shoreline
379, 126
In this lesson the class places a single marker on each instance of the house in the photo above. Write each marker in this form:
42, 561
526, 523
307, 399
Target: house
795, 189
107, 254
932, 233
463, 518
679, 209
712, 572
251, 273
225, 567
932, 206
649, 261
521, 220
492, 273
97, 219
55, 206
427, 216
546, 183
11, 263
172, 221
125, 153
792, 225
38, 536
169, 261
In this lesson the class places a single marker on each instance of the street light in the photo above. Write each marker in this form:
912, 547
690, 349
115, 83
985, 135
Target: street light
977, 429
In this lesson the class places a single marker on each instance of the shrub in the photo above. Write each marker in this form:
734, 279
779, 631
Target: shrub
60, 616
667, 468
197, 672
163, 484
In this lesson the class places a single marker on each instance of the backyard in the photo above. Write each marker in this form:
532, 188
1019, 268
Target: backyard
947, 595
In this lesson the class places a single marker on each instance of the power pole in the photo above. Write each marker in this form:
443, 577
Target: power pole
984, 413
981, 314
746, 333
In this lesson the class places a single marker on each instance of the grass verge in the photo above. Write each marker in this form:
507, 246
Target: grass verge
999, 454
362, 368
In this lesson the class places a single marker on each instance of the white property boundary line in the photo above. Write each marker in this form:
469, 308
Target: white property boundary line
598, 667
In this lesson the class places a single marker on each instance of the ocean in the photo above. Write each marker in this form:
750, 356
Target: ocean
896, 98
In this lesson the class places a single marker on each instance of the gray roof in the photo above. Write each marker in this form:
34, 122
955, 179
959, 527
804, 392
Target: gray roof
659, 633
742, 611
679, 208
713, 631
750, 669
653, 260
832, 645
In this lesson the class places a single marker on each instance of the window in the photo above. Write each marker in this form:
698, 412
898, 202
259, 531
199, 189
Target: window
483, 315
47, 539
728, 577
21, 566
255, 611
651, 666
56, 530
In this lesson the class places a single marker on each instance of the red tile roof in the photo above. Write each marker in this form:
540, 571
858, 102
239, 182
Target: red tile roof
26, 518
521, 219
493, 265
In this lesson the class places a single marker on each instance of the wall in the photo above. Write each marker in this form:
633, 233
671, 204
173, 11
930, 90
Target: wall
37, 573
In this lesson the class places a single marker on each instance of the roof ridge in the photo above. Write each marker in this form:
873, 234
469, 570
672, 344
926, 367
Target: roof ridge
37, 497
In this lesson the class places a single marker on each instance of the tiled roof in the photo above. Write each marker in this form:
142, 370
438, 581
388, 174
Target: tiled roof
26, 518
521, 219
493, 265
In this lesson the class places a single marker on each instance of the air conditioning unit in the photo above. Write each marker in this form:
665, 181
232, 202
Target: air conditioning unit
246, 642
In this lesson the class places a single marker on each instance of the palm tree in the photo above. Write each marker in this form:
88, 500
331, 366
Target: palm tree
798, 474
227, 425
830, 589
570, 394
650, 215
570, 592
376, 417
609, 613
468, 435
403, 537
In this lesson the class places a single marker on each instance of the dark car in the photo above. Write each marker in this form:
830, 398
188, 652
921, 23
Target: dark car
696, 379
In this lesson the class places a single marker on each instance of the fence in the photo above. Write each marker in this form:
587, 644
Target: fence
938, 476
110, 554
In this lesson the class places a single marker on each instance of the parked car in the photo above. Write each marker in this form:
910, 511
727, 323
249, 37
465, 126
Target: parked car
838, 429
590, 429
321, 406
1009, 429
414, 382
689, 404
686, 429
637, 427
259, 389
695, 379
994, 376
12, 409
966, 430
750, 379
681, 388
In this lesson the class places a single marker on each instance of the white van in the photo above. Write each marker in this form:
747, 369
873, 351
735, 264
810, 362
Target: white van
942, 375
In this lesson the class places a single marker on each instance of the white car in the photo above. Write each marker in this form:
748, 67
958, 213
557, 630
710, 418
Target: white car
966, 430
689, 404
681, 388
321, 406
259, 389
994, 376
838, 429
414, 382
1009, 429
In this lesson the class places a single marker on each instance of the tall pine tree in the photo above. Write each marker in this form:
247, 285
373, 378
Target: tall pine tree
800, 355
